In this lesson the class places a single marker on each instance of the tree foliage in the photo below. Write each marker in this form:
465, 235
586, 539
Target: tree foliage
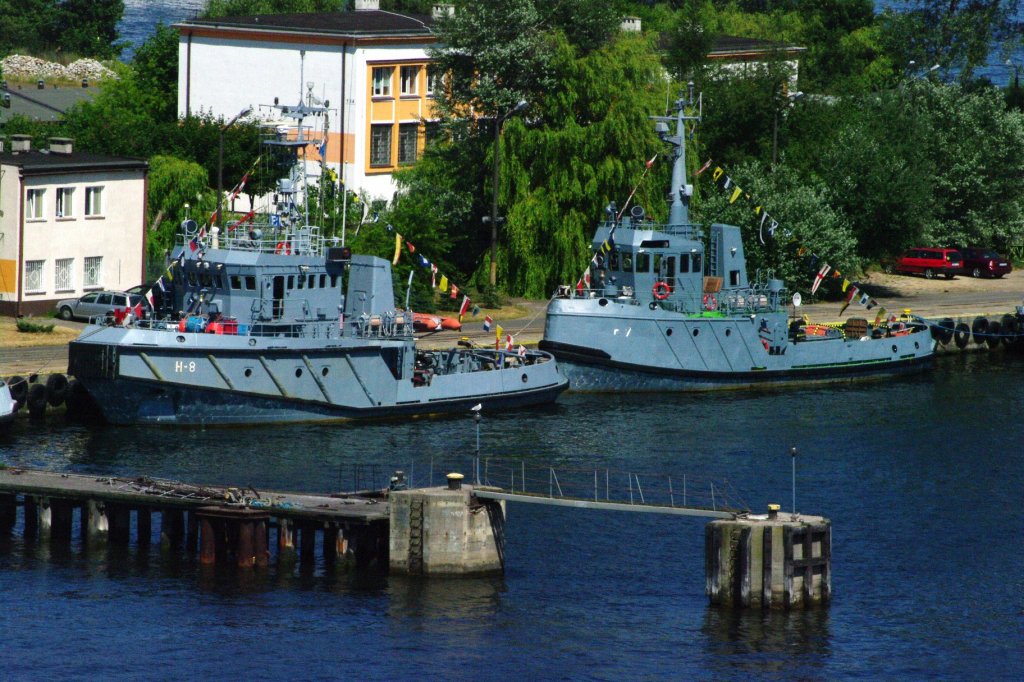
233, 8
173, 184
77, 27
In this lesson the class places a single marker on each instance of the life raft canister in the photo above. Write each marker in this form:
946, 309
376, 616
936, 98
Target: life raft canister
709, 302
661, 290
283, 247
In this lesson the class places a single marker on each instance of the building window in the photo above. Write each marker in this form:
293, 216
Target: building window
34, 204
432, 80
34, 275
380, 145
92, 271
62, 279
407, 137
382, 81
410, 80
65, 205
93, 201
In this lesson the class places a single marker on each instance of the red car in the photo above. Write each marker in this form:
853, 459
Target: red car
929, 262
984, 263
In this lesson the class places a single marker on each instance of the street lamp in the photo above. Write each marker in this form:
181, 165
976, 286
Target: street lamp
790, 98
494, 200
220, 159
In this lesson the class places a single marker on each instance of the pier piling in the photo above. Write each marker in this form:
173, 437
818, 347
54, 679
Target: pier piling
774, 560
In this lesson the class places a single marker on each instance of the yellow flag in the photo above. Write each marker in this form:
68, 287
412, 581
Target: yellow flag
498, 331
846, 285
757, 210
444, 284
717, 173
398, 248
735, 195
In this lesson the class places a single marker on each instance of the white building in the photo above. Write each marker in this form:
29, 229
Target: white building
369, 66
70, 222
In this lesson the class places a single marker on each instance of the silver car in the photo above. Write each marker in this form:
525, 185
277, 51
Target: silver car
95, 303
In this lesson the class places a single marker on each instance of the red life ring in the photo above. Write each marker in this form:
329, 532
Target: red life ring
661, 290
283, 247
709, 302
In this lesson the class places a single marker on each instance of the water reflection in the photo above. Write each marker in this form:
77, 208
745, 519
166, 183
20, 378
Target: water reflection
759, 644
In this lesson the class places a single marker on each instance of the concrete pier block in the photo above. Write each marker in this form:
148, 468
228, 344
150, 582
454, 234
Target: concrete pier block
445, 531
95, 525
45, 515
772, 560
285, 540
207, 541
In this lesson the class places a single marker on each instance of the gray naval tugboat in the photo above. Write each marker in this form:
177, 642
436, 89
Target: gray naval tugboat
670, 307
275, 323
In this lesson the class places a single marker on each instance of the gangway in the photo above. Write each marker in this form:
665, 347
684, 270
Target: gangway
498, 494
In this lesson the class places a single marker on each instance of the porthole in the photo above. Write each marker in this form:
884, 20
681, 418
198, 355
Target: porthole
696, 332
668, 332
252, 342
525, 378
728, 332
298, 372
894, 349
916, 345
602, 302
181, 339
248, 372
324, 372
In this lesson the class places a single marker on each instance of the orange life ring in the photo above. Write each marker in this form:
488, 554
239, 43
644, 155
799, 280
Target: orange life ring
709, 302
661, 290
283, 247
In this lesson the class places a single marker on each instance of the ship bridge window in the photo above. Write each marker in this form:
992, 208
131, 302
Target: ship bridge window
291, 282
302, 282
311, 283
250, 283
654, 244
643, 262
192, 279
657, 264
323, 281
684, 262
236, 281
613, 260
334, 281
627, 262
697, 264
206, 280
734, 278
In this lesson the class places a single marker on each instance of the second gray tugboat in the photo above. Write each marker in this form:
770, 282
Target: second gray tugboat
670, 307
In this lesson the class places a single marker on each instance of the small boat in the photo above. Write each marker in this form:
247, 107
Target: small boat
425, 322
670, 307
279, 324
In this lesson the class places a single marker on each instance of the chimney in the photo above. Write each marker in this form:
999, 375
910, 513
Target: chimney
61, 145
363, 5
630, 24
1, 146
443, 10
21, 143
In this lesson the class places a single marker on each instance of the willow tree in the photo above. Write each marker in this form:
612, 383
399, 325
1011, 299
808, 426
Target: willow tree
583, 146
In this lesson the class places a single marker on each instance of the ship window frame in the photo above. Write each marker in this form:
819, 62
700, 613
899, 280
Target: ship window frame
642, 264
613, 260
311, 282
301, 282
290, 283
323, 280
235, 281
734, 278
684, 263
250, 283
698, 263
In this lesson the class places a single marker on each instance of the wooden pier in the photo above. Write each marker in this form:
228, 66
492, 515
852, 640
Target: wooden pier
222, 524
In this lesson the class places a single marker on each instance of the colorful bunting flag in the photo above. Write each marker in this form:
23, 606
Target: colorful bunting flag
455, 292
735, 195
821, 275
849, 299
412, 249
464, 308
444, 284
488, 321
398, 249
707, 164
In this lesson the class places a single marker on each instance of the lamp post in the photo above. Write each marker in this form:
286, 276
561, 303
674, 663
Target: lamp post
220, 159
790, 98
494, 200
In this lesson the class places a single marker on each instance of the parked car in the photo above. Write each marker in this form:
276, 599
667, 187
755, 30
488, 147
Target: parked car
929, 262
97, 303
984, 263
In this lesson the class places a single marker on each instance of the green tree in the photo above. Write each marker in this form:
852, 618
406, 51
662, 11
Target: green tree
88, 27
155, 66
234, 8
174, 184
25, 24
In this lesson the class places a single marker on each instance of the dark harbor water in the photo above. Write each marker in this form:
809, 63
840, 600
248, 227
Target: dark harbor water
922, 478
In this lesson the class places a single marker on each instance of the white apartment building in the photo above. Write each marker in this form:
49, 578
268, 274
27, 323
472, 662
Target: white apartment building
70, 222
369, 66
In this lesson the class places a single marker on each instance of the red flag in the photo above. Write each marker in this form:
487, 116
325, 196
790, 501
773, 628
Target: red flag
455, 292
464, 307
508, 342
412, 249
703, 168
651, 161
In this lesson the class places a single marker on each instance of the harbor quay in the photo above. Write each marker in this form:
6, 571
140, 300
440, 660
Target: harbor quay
773, 560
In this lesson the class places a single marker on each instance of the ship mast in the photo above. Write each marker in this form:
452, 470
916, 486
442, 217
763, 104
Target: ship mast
681, 191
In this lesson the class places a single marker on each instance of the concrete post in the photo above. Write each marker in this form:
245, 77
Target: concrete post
445, 531
8, 512
769, 561
94, 522
285, 541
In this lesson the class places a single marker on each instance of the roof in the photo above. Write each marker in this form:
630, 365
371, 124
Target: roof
732, 47
356, 24
44, 162
48, 104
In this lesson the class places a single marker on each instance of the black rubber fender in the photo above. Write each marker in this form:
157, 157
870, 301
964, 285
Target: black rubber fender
56, 389
36, 399
19, 388
1011, 329
962, 335
947, 330
979, 329
994, 334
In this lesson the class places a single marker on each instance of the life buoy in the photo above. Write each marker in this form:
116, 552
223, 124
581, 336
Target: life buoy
767, 347
709, 302
661, 290
283, 248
